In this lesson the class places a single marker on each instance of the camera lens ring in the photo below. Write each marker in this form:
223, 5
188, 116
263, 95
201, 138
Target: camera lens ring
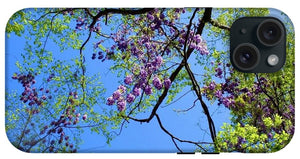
270, 32
245, 57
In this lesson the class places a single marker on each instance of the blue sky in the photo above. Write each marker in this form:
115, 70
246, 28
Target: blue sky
136, 137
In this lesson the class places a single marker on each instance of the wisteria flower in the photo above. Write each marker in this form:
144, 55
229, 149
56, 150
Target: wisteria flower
128, 79
130, 98
148, 90
167, 83
116, 95
121, 105
157, 83
136, 91
110, 101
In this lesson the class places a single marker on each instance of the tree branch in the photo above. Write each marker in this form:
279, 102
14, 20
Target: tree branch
119, 11
188, 33
188, 109
23, 132
218, 25
176, 138
197, 90
51, 12
176, 100
206, 17
83, 69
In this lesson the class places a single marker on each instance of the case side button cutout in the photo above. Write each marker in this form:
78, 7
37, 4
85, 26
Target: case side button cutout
185, 153
210, 153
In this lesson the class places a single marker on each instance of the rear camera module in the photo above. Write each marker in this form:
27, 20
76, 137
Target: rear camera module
257, 44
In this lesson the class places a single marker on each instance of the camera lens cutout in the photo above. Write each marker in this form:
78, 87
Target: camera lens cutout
270, 32
246, 56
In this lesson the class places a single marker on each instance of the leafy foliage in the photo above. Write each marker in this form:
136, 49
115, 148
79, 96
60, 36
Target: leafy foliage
150, 52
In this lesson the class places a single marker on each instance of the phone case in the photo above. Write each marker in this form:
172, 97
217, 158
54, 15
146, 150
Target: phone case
141, 80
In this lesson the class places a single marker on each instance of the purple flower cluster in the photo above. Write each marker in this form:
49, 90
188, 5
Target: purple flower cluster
81, 23
122, 44
228, 102
122, 88
155, 19
158, 61
140, 76
195, 41
143, 74
57, 127
128, 79
118, 97
121, 105
148, 89
218, 94
35, 98
157, 83
30, 94
50, 77
167, 83
100, 55
110, 101
219, 72
136, 91
212, 85
199, 44
130, 98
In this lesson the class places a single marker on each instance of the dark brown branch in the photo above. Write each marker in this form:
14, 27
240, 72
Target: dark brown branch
218, 25
188, 33
119, 11
36, 142
206, 17
131, 111
176, 145
23, 131
170, 40
176, 138
197, 90
277, 97
51, 12
271, 98
88, 12
266, 93
82, 60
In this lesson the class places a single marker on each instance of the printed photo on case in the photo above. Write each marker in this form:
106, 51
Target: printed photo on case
141, 80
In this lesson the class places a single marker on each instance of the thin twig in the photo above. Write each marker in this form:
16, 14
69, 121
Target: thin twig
185, 110
176, 99
176, 138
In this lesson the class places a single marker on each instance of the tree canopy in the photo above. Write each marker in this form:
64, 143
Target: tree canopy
57, 93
